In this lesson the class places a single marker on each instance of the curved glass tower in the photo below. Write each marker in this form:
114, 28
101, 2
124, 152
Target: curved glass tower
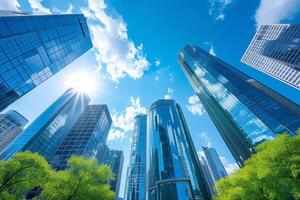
173, 168
245, 112
136, 174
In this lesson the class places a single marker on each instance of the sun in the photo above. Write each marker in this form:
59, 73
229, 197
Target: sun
83, 81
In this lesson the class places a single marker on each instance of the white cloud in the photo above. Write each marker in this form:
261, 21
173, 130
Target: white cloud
169, 94
113, 47
115, 134
37, 7
220, 17
123, 122
68, 11
204, 136
156, 78
12, 5
195, 106
230, 167
217, 8
157, 63
212, 51
270, 11
171, 77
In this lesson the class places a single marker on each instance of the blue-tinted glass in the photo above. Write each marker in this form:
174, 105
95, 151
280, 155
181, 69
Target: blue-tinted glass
86, 138
245, 112
42, 45
173, 168
136, 175
45, 133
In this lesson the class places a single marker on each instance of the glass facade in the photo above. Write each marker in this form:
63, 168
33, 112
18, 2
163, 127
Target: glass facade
11, 125
115, 159
214, 163
275, 50
207, 174
86, 138
35, 47
45, 133
136, 174
173, 168
244, 111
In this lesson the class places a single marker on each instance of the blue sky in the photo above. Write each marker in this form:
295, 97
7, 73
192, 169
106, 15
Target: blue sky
136, 43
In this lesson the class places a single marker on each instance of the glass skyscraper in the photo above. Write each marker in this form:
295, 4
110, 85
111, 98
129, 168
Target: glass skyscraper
86, 138
35, 47
173, 168
45, 133
214, 163
115, 159
244, 111
207, 174
11, 125
136, 174
275, 50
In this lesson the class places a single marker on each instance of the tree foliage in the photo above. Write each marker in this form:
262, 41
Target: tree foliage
272, 173
84, 179
22, 173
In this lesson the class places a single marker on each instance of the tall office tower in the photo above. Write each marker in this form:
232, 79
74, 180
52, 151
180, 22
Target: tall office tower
45, 133
207, 174
86, 138
214, 163
136, 174
173, 168
115, 159
11, 125
275, 50
244, 111
35, 47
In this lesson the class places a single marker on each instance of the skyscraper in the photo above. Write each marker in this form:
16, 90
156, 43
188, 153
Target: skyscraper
45, 133
115, 159
11, 125
244, 111
275, 50
136, 174
214, 163
35, 47
173, 168
86, 138
207, 174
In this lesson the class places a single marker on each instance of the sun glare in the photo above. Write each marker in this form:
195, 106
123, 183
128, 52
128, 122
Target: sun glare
83, 81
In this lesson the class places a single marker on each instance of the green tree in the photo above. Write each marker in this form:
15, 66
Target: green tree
84, 179
22, 173
272, 173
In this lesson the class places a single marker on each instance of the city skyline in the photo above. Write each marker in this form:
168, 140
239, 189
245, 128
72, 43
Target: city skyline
144, 68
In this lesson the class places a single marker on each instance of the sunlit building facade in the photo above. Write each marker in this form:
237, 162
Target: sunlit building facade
35, 47
275, 50
115, 159
173, 169
207, 175
245, 112
12, 124
45, 133
86, 138
136, 174
214, 163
